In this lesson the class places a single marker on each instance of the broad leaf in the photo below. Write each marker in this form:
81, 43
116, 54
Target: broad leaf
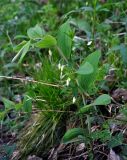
84, 26
47, 42
35, 32
64, 39
86, 81
104, 99
8, 104
85, 69
72, 134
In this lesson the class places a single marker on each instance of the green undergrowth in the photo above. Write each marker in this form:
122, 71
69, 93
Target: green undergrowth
66, 62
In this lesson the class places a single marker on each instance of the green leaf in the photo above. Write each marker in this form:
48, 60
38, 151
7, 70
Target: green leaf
104, 99
27, 104
19, 46
10, 65
85, 109
116, 140
35, 32
87, 81
22, 52
47, 42
123, 51
85, 69
72, 134
64, 39
8, 104
90, 9
8, 149
84, 26
18, 106
102, 135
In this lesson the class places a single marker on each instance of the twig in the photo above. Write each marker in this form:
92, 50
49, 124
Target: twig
58, 111
102, 153
120, 34
113, 118
50, 110
83, 154
111, 22
29, 80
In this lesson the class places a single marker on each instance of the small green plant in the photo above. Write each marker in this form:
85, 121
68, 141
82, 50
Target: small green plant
64, 79
37, 38
68, 76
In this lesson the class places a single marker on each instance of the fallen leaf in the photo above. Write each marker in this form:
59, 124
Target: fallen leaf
120, 94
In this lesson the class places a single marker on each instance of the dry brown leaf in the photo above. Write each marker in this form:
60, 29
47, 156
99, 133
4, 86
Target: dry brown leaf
120, 94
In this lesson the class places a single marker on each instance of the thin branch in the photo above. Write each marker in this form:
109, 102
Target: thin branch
82, 154
29, 80
114, 118
102, 153
120, 34
58, 111
50, 110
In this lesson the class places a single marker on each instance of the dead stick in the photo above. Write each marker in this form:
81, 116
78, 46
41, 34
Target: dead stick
29, 80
